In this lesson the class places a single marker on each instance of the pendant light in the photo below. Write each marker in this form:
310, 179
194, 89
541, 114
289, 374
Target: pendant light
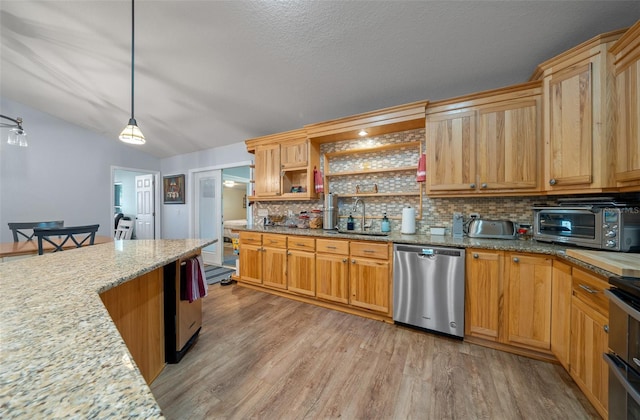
17, 135
131, 133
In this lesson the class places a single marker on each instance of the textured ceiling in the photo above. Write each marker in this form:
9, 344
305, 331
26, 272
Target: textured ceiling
211, 73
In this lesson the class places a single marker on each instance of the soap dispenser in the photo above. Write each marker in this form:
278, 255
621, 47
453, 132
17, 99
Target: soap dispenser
350, 222
385, 225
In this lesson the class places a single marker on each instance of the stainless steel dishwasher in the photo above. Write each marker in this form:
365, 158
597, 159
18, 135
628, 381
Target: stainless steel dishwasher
428, 288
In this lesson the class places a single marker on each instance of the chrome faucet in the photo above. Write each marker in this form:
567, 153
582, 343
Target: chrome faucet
363, 226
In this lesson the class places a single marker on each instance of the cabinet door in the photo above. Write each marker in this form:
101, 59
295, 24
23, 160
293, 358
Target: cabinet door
561, 312
588, 342
508, 146
628, 163
332, 277
370, 284
274, 263
251, 263
483, 289
267, 170
451, 146
301, 272
570, 128
294, 154
528, 301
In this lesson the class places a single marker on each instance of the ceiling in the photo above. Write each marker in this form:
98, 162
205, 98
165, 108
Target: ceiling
212, 73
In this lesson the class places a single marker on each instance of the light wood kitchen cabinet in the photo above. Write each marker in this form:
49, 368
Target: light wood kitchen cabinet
283, 167
561, 312
483, 293
251, 257
578, 121
267, 170
486, 143
301, 265
274, 261
370, 276
137, 309
332, 270
627, 70
589, 338
528, 301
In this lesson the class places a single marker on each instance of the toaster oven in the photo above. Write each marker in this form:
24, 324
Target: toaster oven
606, 226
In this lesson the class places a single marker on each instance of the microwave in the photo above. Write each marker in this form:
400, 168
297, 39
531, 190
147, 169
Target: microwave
603, 227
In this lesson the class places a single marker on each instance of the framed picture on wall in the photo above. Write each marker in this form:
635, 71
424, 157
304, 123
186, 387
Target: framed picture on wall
173, 187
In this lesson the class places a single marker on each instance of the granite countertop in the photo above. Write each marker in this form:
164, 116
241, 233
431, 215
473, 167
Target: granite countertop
62, 355
531, 246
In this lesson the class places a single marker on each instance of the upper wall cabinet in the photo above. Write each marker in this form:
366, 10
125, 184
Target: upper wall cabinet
486, 143
627, 70
579, 117
374, 123
284, 164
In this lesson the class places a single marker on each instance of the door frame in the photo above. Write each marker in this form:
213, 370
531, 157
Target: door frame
157, 195
191, 193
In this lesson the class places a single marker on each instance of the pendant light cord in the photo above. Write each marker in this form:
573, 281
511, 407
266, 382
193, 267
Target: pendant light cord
132, 53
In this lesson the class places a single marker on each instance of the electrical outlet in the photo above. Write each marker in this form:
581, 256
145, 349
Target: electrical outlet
263, 213
475, 215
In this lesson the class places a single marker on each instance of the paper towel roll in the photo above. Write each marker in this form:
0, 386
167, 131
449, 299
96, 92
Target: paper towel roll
408, 221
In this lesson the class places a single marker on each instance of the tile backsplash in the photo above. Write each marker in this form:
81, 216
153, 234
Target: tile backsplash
435, 211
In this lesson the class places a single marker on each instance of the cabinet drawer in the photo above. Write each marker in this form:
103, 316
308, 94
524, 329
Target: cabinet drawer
332, 247
370, 250
274, 240
590, 290
250, 238
302, 244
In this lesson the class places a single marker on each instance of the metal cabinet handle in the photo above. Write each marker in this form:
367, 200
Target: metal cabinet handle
484, 185
588, 289
516, 259
344, 260
331, 247
369, 251
606, 328
353, 261
299, 244
472, 185
288, 252
476, 256
553, 181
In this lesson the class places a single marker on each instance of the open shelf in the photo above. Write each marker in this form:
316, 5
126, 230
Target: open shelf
373, 171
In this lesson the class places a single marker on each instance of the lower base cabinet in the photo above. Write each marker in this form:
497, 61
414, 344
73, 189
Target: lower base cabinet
370, 276
589, 338
332, 270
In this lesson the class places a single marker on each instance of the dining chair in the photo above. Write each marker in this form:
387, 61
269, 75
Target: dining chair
79, 235
124, 230
25, 229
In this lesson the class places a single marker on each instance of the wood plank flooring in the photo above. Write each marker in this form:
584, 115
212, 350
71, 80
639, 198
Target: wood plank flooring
267, 357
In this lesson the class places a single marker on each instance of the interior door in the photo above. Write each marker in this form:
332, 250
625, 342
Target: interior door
145, 205
208, 213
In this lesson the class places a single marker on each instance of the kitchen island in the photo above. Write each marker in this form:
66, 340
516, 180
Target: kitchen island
61, 354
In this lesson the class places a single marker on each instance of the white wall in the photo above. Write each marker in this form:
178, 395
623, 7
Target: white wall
64, 174
175, 220
232, 203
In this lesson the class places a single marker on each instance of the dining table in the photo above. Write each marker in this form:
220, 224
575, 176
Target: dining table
26, 248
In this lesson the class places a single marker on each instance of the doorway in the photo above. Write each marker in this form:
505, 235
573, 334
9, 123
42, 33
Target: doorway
134, 195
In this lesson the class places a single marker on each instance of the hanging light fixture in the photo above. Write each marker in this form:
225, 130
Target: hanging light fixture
131, 133
17, 135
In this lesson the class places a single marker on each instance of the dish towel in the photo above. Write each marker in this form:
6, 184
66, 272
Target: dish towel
318, 181
194, 286
421, 175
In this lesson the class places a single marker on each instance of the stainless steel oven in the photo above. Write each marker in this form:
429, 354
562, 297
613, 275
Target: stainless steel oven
608, 225
624, 343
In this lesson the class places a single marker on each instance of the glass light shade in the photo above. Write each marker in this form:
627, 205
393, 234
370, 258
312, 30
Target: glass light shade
17, 137
132, 134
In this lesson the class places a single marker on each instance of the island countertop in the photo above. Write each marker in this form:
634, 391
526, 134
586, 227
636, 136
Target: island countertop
61, 354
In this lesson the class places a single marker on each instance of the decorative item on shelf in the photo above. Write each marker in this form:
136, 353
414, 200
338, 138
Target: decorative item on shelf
17, 136
366, 189
297, 189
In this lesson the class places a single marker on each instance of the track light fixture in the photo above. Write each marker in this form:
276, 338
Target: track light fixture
17, 135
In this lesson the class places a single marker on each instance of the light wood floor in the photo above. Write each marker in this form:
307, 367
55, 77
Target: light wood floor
267, 357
